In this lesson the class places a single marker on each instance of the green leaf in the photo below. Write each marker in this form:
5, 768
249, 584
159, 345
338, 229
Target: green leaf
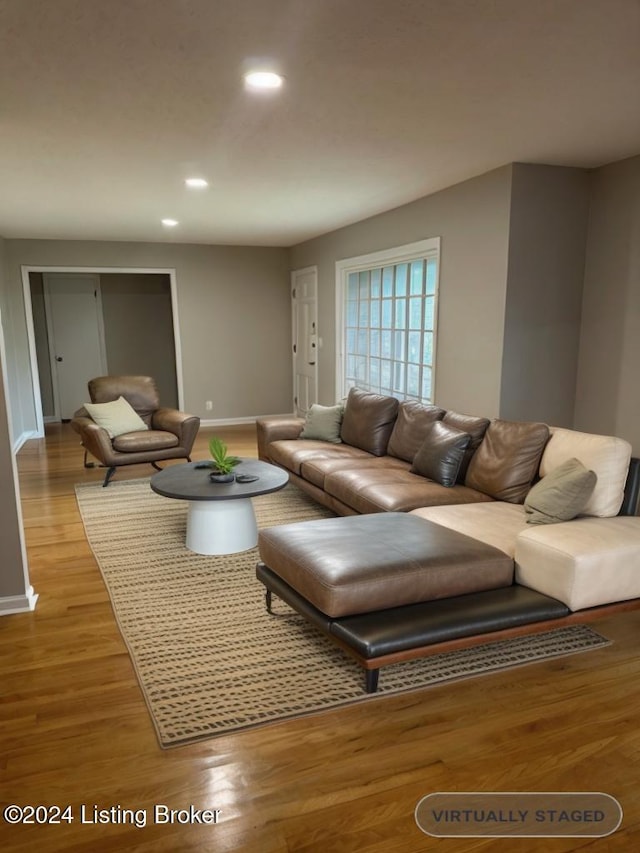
222, 461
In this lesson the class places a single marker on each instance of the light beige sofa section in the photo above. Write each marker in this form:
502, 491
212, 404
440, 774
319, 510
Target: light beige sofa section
607, 455
589, 561
497, 523
584, 563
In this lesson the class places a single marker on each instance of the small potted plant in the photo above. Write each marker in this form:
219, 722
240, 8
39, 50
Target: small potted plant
223, 463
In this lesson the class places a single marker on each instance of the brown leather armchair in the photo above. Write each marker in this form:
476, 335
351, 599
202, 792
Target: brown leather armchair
170, 433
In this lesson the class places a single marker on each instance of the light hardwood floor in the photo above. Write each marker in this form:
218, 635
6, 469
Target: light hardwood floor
74, 727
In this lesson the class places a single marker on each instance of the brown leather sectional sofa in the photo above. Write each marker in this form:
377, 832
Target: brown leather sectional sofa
453, 554
371, 469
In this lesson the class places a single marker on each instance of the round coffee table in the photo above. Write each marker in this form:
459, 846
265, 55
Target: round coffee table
220, 519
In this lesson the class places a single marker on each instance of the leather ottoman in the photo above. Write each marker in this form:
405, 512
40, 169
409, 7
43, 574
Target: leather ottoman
386, 586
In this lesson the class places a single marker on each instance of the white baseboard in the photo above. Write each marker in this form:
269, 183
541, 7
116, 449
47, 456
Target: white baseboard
239, 421
219, 422
18, 603
25, 436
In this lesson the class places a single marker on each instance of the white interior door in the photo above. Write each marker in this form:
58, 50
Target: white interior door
304, 313
76, 337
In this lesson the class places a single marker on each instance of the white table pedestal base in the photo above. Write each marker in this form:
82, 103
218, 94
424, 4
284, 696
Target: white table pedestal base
221, 527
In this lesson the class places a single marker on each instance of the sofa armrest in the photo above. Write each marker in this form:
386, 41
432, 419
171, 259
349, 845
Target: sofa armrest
181, 424
281, 428
94, 438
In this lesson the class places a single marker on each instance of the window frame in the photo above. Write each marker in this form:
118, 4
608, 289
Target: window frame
426, 249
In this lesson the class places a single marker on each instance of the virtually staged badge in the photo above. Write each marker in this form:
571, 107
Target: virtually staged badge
588, 814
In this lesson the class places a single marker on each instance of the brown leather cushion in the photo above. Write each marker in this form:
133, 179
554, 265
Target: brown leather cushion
441, 453
476, 427
373, 562
138, 442
291, 453
386, 489
409, 429
139, 391
507, 461
368, 421
315, 470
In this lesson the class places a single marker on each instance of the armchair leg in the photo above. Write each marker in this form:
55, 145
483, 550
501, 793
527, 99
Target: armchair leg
160, 468
108, 477
88, 464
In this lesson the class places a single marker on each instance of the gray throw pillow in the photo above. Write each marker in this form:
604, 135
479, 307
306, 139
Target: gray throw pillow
561, 495
441, 453
323, 423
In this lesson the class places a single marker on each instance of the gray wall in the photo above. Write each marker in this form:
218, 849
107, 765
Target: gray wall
234, 316
607, 394
472, 219
138, 329
14, 579
508, 312
41, 335
547, 242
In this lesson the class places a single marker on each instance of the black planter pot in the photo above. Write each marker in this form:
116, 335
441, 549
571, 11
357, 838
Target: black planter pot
217, 477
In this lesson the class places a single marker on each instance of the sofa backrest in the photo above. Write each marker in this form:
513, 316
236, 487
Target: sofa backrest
607, 455
504, 457
506, 463
368, 421
410, 427
475, 427
140, 392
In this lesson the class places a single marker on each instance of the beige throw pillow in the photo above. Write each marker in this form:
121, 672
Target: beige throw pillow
117, 417
561, 495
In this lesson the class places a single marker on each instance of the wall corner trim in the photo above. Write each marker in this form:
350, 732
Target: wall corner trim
18, 603
24, 437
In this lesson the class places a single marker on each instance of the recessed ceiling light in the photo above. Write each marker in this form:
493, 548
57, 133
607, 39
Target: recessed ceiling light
196, 183
170, 223
263, 80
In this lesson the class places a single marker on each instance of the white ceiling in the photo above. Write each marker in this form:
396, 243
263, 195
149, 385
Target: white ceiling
107, 105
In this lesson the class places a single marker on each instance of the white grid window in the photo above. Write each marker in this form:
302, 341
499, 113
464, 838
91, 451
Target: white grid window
387, 317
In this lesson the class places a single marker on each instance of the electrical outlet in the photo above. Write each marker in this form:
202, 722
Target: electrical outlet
208, 405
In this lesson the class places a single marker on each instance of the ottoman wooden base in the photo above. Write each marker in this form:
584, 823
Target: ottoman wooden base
385, 637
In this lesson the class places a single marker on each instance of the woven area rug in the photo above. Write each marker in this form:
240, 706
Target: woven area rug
209, 658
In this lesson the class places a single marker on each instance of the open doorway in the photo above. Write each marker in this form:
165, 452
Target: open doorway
132, 316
